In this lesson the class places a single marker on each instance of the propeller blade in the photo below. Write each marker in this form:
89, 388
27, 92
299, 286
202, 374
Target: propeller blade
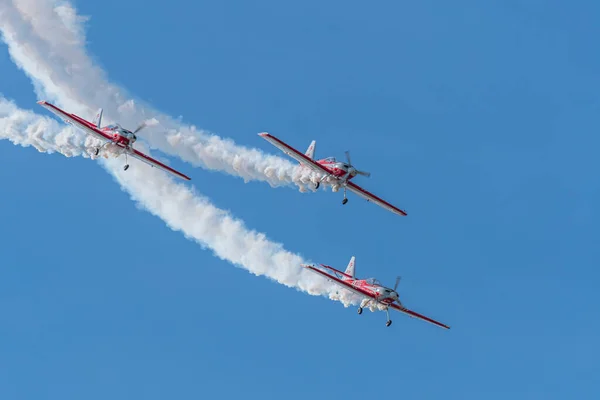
348, 157
140, 127
363, 173
396, 285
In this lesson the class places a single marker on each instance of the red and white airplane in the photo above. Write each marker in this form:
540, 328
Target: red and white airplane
370, 289
342, 172
114, 134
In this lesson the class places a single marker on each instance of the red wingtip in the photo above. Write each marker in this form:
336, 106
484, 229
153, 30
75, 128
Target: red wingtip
41, 102
263, 134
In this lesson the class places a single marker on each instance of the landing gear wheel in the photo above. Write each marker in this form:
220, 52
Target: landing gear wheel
359, 310
97, 151
317, 185
344, 201
388, 323
126, 167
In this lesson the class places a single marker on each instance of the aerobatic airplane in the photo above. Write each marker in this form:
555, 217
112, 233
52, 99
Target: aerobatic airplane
114, 134
341, 172
370, 289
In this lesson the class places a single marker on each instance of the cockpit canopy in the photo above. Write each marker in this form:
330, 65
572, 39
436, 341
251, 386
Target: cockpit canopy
119, 129
372, 281
340, 164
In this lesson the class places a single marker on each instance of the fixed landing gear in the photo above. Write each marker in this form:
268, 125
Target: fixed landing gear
100, 148
363, 304
317, 185
345, 198
126, 167
389, 321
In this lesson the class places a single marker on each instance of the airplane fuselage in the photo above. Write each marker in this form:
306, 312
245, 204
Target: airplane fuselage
378, 292
338, 168
121, 137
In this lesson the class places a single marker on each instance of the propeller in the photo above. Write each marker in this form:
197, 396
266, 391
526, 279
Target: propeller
396, 284
352, 169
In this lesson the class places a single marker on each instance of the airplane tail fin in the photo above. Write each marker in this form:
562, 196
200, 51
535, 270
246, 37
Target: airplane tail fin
98, 118
310, 152
350, 267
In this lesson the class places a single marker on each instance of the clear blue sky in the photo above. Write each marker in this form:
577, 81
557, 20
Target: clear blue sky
481, 120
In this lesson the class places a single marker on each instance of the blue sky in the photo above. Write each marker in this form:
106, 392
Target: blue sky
480, 120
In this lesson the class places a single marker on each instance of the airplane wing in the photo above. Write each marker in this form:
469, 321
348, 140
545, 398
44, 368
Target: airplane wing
76, 121
335, 271
354, 188
417, 315
155, 163
295, 154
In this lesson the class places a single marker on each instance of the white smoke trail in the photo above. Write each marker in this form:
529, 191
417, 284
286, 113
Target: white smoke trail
46, 39
180, 207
